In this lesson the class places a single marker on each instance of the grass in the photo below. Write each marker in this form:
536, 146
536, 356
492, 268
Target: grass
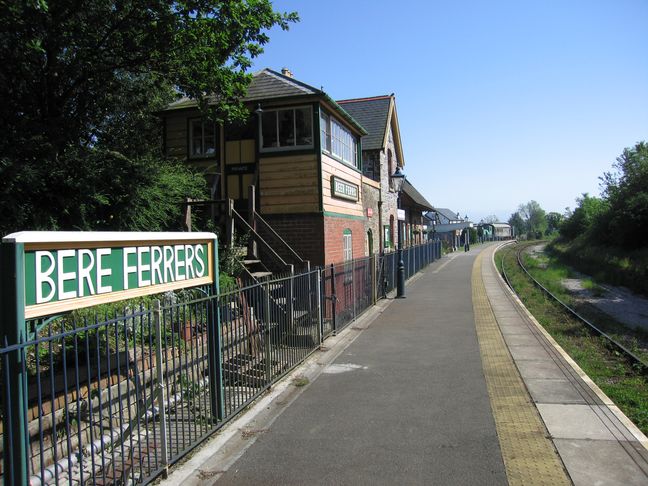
608, 368
607, 264
550, 271
300, 381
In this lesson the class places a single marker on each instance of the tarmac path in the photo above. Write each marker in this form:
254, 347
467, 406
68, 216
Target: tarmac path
405, 403
456, 384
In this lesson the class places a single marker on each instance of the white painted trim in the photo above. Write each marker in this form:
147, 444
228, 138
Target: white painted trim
102, 236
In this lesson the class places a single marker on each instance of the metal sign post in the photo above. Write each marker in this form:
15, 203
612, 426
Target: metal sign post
14, 379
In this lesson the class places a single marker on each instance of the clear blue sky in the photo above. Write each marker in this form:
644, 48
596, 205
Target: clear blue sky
499, 102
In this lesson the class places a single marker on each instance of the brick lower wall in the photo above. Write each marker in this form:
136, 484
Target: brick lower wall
303, 232
334, 229
319, 238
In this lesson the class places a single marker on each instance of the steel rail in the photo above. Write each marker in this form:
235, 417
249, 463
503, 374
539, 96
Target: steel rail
629, 354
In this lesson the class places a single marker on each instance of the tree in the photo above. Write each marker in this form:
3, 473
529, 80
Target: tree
535, 219
517, 223
626, 191
586, 217
79, 85
491, 219
553, 222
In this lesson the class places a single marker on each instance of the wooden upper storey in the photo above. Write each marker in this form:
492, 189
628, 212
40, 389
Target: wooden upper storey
300, 149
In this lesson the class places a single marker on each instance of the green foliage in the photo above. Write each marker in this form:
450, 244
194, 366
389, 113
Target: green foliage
585, 218
473, 235
535, 219
530, 220
620, 216
517, 223
155, 206
616, 266
554, 220
610, 371
626, 191
79, 85
226, 282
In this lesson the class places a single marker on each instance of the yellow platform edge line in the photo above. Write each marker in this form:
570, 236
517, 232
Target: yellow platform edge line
529, 455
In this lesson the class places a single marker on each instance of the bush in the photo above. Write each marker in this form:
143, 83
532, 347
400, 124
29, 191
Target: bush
588, 217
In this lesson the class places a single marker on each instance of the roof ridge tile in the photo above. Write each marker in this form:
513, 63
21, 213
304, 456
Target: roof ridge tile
370, 98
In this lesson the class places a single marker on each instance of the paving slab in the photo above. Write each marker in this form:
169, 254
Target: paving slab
597, 444
589, 461
513, 329
521, 339
535, 369
535, 352
553, 391
566, 421
511, 321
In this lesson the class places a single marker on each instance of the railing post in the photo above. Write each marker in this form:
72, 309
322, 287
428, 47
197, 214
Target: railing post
14, 381
374, 280
186, 220
268, 334
290, 305
318, 292
230, 223
333, 299
252, 244
353, 288
214, 360
160, 390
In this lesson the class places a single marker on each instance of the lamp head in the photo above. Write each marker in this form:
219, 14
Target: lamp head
398, 179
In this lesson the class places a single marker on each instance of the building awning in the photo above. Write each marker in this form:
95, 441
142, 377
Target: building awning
413, 199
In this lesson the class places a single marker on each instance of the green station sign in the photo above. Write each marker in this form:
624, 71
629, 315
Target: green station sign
47, 273
68, 270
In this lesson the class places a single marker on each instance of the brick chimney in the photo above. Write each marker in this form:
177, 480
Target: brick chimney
286, 72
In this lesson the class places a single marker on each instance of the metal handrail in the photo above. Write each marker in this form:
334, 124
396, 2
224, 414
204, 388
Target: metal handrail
260, 240
258, 217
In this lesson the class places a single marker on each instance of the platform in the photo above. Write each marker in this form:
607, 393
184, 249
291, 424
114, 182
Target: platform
456, 384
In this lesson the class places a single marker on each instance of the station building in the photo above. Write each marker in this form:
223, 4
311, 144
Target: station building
382, 155
302, 152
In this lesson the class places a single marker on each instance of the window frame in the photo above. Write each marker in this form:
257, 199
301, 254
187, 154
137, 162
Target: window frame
347, 245
190, 137
391, 169
387, 237
287, 148
347, 255
328, 147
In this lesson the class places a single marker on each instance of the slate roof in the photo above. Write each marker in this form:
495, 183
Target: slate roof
446, 228
416, 196
372, 114
448, 214
268, 84
265, 84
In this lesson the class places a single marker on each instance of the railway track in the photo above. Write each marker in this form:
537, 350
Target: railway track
632, 358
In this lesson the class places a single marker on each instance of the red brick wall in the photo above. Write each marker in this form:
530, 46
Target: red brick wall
318, 238
303, 232
334, 229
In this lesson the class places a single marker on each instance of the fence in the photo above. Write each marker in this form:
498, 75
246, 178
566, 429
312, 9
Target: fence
116, 398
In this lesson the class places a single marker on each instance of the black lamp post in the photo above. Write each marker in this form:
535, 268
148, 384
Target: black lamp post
398, 179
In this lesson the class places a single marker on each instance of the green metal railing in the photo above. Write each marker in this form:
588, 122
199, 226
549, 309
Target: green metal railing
117, 397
